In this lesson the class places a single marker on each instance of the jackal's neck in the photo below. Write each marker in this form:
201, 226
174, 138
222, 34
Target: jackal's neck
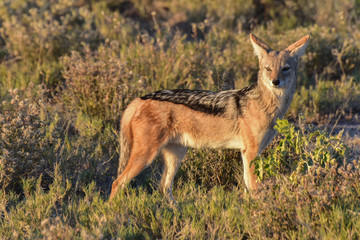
274, 101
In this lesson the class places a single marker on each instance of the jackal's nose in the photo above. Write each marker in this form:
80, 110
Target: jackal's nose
276, 82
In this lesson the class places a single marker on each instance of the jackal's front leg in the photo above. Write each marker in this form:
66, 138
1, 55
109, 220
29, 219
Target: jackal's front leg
250, 177
173, 155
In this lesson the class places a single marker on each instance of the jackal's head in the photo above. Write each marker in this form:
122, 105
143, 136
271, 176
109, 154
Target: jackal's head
278, 68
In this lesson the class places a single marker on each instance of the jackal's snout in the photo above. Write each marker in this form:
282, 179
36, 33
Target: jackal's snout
275, 82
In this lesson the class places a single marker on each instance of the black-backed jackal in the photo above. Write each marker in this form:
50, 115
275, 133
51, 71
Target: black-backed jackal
169, 121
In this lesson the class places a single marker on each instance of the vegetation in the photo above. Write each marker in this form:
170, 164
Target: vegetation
68, 69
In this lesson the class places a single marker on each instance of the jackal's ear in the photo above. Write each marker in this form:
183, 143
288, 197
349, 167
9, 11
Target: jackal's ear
297, 49
261, 49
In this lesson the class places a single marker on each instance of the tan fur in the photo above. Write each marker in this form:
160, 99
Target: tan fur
150, 126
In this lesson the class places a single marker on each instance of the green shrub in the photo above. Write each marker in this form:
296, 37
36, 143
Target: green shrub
299, 150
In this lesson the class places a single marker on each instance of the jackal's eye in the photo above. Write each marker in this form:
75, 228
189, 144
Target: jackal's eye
268, 69
285, 69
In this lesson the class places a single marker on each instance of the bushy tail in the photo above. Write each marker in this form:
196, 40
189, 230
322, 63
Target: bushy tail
126, 137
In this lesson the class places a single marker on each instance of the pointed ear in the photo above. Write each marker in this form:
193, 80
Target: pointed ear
297, 49
261, 49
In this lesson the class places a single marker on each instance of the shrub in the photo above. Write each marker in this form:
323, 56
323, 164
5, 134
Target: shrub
35, 30
97, 84
28, 146
32, 143
298, 151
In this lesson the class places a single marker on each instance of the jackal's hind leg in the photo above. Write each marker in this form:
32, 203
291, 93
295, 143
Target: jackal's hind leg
173, 155
137, 162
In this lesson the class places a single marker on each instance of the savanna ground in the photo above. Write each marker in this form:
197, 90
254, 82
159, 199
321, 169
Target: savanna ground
68, 68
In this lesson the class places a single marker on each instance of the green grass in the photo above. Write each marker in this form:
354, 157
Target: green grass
317, 208
69, 68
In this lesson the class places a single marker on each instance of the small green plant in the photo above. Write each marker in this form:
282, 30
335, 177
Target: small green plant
299, 150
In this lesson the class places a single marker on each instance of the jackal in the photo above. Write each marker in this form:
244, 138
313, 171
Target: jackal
169, 121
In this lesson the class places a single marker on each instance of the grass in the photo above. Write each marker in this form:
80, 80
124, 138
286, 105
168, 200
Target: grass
69, 68
318, 207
